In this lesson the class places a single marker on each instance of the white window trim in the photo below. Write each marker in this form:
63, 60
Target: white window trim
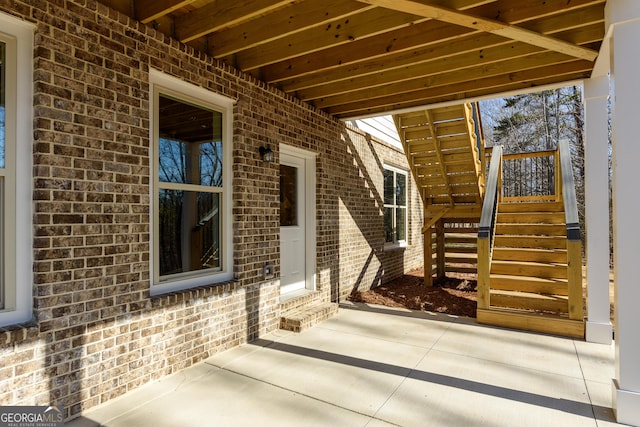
399, 243
18, 230
163, 83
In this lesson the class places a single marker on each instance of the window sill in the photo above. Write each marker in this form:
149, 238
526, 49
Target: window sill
187, 295
15, 334
395, 246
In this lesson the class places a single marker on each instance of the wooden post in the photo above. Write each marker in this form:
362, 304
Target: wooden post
574, 255
557, 175
440, 249
428, 260
483, 273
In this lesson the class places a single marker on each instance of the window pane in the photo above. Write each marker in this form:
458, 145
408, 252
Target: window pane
288, 196
401, 223
388, 187
401, 189
388, 225
190, 148
2, 100
189, 224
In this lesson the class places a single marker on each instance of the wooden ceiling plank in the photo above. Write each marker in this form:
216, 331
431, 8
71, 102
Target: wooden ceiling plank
150, 10
465, 96
351, 60
423, 66
299, 17
342, 31
223, 14
528, 10
488, 25
418, 36
507, 65
573, 19
415, 36
485, 49
525, 79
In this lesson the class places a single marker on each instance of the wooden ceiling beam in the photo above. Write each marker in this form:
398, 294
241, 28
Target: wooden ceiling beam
222, 14
487, 25
150, 10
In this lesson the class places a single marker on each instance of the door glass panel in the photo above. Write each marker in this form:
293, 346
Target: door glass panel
288, 195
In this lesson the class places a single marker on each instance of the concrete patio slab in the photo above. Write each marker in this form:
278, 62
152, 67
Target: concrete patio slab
372, 366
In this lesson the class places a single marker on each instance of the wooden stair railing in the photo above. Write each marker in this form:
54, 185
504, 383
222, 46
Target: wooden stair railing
487, 227
574, 243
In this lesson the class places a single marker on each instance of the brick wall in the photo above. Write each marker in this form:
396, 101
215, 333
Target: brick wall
96, 332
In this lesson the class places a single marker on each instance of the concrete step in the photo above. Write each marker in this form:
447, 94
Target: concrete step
300, 319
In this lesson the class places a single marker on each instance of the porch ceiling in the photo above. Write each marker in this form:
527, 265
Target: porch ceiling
354, 58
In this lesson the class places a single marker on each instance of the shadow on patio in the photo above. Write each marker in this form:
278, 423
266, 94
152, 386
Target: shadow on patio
377, 366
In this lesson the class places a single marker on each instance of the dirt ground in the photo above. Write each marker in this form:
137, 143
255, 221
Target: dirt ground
451, 295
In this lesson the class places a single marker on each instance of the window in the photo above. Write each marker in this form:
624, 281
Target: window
192, 157
16, 259
395, 206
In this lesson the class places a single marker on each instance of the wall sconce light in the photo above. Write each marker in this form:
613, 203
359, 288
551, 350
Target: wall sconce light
266, 153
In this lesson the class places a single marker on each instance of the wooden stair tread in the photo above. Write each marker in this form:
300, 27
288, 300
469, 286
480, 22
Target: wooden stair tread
531, 218
530, 284
536, 322
530, 295
541, 242
552, 255
528, 301
529, 269
531, 207
531, 229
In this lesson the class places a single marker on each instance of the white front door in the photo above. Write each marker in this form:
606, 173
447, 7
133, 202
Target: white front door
297, 220
292, 224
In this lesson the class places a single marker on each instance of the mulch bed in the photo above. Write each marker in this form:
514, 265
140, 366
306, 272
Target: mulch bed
450, 295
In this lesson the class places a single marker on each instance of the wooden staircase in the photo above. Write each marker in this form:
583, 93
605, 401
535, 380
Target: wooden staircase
529, 259
443, 149
529, 273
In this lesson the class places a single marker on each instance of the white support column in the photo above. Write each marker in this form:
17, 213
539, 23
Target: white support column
624, 33
596, 92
